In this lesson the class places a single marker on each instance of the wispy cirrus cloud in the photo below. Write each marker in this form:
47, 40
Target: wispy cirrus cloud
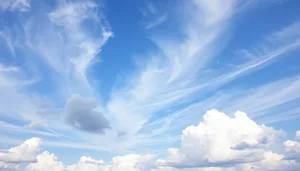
65, 44
15, 5
57, 48
153, 15
184, 70
24, 153
259, 100
176, 68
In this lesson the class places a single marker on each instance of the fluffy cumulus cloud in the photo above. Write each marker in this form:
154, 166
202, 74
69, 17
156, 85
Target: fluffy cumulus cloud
82, 114
26, 152
46, 162
132, 162
292, 149
87, 163
218, 143
220, 140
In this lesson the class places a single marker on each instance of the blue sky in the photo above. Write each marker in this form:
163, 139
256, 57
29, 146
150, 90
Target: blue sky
141, 84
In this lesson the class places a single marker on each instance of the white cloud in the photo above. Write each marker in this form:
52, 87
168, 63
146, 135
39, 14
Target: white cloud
88, 164
70, 16
292, 149
182, 72
8, 166
12, 100
268, 103
170, 76
221, 140
218, 143
200, 144
157, 22
15, 5
271, 162
153, 15
46, 162
215, 11
132, 162
61, 39
26, 152
72, 13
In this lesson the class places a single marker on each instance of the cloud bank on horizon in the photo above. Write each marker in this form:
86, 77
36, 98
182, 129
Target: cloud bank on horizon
218, 142
200, 85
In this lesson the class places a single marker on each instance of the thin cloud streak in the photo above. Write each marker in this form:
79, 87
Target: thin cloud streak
166, 72
250, 99
169, 80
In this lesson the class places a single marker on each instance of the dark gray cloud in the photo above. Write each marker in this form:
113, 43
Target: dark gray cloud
83, 116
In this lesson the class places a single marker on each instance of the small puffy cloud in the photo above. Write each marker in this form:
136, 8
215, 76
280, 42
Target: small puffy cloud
49, 162
132, 162
88, 164
292, 146
46, 162
220, 140
82, 114
24, 153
